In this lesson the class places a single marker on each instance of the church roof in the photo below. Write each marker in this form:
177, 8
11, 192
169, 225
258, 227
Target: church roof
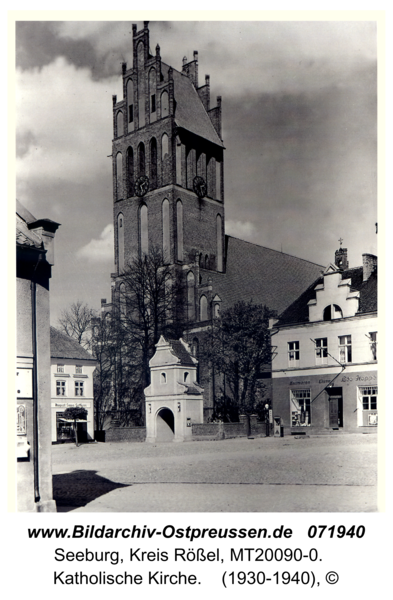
190, 114
262, 275
63, 346
297, 312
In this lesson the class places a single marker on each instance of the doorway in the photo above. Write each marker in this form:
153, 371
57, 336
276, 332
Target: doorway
335, 407
165, 422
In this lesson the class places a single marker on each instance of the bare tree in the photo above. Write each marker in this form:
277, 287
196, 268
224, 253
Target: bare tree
76, 323
238, 347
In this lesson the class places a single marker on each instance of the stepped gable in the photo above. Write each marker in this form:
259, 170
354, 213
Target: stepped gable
297, 312
262, 275
190, 113
62, 346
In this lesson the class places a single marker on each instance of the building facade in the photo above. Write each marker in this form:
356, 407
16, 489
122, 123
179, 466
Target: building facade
324, 346
168, 193
35, 258
72, 370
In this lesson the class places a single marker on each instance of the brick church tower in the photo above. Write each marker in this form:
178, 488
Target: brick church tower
168, 168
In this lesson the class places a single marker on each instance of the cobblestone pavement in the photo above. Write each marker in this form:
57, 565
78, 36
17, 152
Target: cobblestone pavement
335, 473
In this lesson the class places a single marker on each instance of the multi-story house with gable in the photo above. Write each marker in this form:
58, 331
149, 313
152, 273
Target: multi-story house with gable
324, 371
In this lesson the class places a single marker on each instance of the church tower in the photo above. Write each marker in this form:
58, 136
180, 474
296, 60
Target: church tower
168, 167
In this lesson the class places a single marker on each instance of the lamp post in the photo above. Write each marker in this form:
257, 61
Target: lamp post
267, 419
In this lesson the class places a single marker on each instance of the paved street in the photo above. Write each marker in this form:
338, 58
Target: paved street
329, 473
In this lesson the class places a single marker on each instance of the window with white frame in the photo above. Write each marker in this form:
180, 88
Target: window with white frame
78, 369
293, 354
373, 344
368, 405
78, 388
321, 351
345, 348
300, 408
60, 368
60, 388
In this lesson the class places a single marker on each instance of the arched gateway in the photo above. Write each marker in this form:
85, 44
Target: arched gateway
174, 398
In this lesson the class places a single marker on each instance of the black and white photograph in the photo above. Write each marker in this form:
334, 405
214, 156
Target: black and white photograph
197, 266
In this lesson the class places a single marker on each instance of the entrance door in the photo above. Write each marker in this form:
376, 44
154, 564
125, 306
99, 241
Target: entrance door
165, 425
335, 407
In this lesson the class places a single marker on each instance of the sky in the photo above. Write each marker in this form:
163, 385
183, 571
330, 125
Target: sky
299, 105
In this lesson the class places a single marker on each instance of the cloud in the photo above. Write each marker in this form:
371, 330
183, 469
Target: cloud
99, 250
241, 229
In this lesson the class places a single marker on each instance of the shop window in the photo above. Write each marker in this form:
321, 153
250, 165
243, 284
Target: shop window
64, 429
60, 388
78, 370
321, 351
300, 408
60, 368
293, 354
345, 348
367, 405
79, 388
373, 344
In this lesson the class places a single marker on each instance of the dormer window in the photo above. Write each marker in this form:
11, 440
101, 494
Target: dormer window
332, 311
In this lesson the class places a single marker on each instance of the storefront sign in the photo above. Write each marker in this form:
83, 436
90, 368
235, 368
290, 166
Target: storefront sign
347, 379
70, 404
299, 382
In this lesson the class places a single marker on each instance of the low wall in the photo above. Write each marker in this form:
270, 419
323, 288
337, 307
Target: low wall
124, 434
225, 430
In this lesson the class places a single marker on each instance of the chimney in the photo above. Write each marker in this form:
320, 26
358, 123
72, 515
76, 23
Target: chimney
341, 258
370, 264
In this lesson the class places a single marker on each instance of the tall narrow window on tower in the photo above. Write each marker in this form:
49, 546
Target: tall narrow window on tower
119, 176
152, 95
211, 177
119, 124
219, 242
191, 296
120, 241
178, 161
165, 232
153, 163
141, 159
218, 180
164, 104
143, 228
130, 104
203, 308
130, 172
179, 219
141, 84
165, 165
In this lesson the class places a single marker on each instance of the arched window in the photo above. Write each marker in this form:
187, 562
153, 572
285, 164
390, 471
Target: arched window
163, 378
130, 172
195, 353
203, 308
206, 261
179, 228
164, 146
219, 242
130, 104
141, 159
191, 167
191, 296
119, 124
216, 310
211, 177
186, 376
178, 162
122, 300
218, 180
166, 250
120, 241
164, 104
119, 176
153, 163
141, 84
152, 95
143, 228
332, 311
